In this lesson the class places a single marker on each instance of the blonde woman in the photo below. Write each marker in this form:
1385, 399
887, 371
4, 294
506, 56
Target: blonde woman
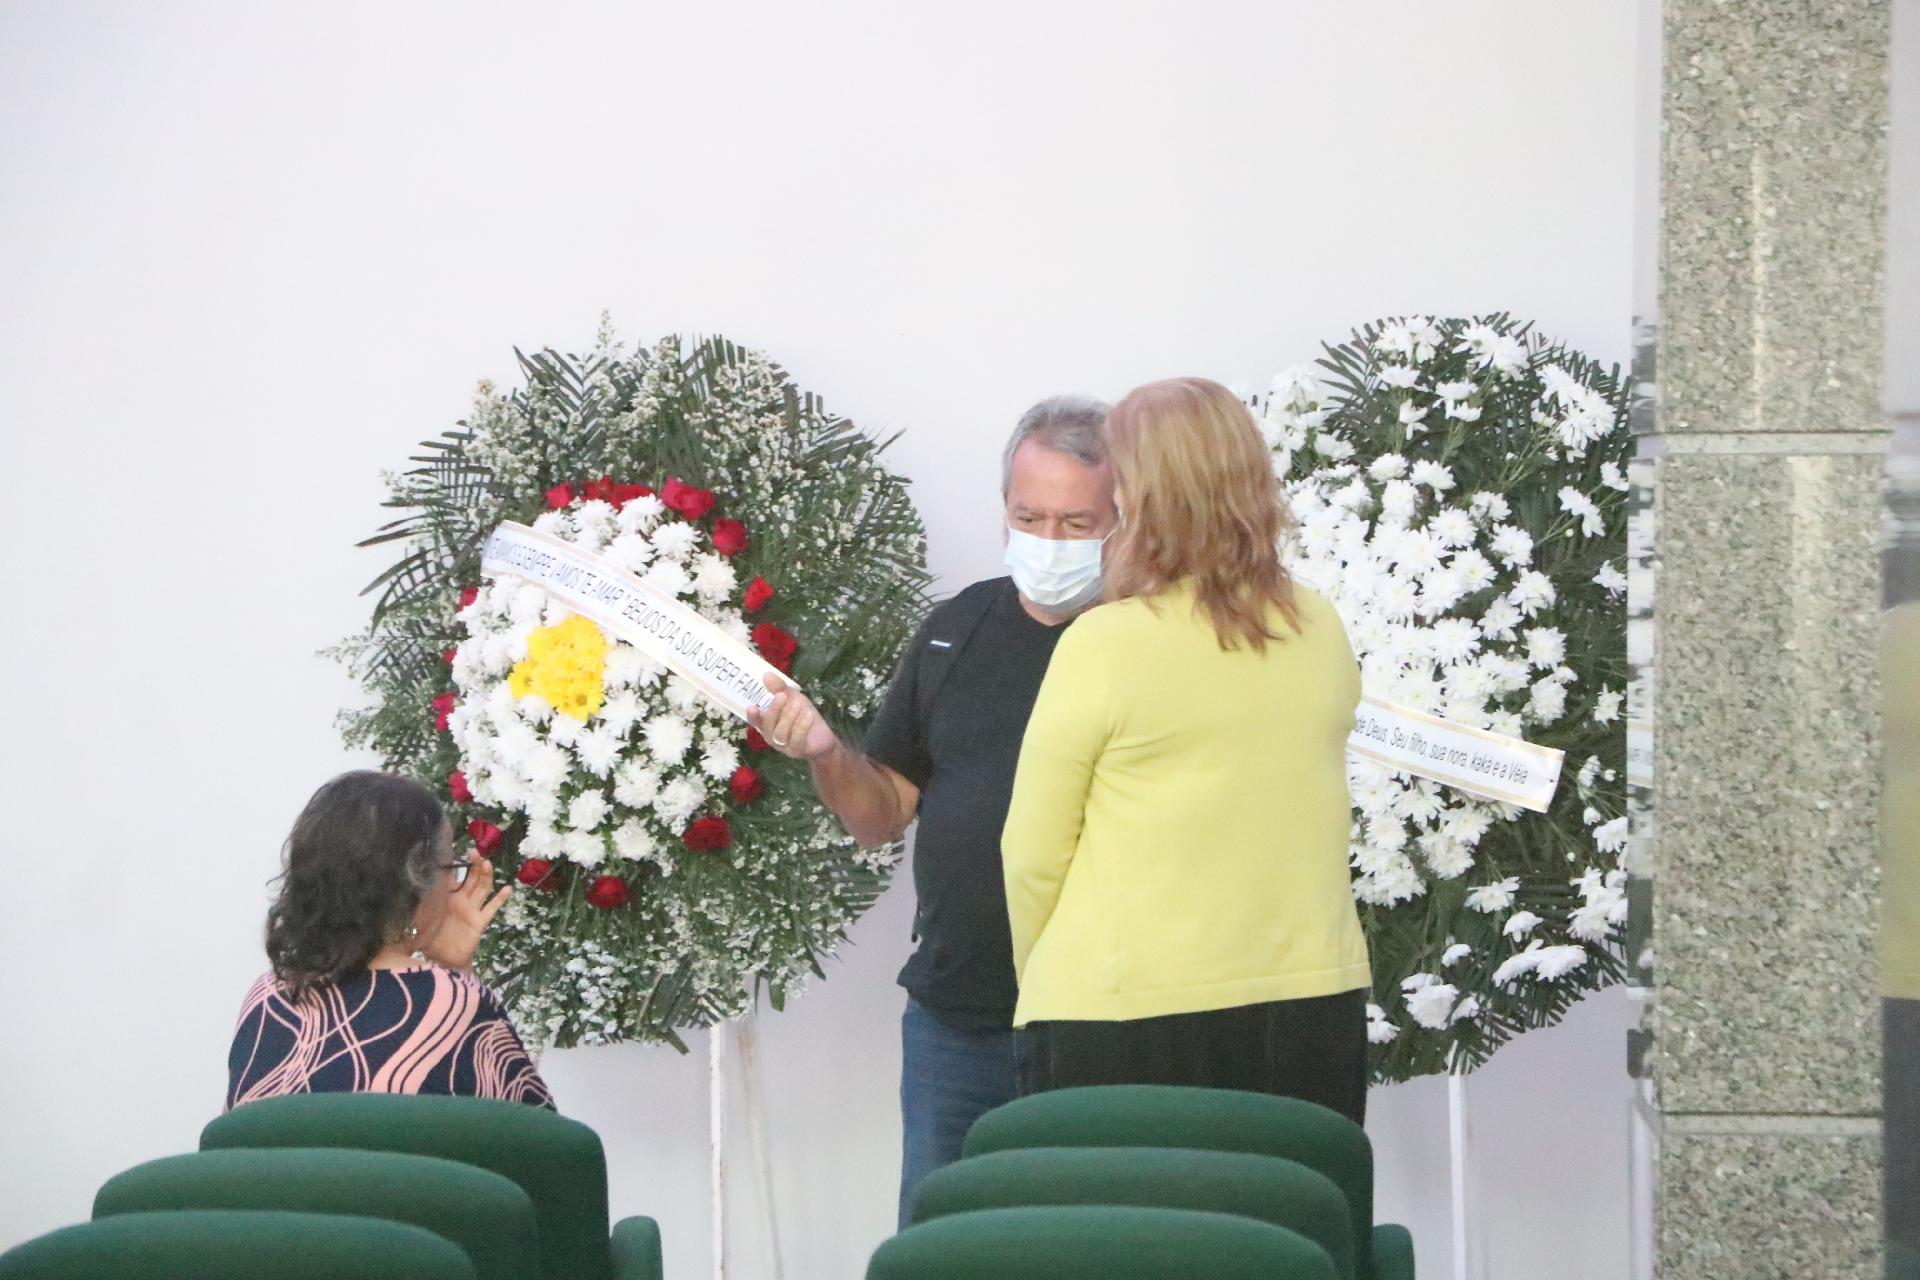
1176, 848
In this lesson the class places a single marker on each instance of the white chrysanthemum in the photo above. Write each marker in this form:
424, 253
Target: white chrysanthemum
630, 551
1398, 501
547, 766
1455, 390
586, 811
635, 784
1520, 924
1611, 837
1576, 503
1412, 417
1613, 477
1396, 375
682, 695
1501, 619
599, 749
585, 848
1432, 1005
1433, 475
1460, 411
1440, 590
496, 655
1495, 897
1453, 640
593, 524
1515, 967
637, 515
565, 729
628, 667
1332, 447
619, 713
1452, 527
720, 759
1606, 706
634, 842
1610, 579
678, 800
529, 603
1388, 466
1454, 954
737, 629
542, 840
1533, 592
1553, 963
668, 576
1512, 545
556, 523
675, 540
713, 577
668, 738
1548, 701
1296, 389
555, 614
1379, 1030
1414, 339
1546, 646
1489, 506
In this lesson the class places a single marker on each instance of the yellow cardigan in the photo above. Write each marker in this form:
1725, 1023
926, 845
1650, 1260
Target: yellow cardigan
1177, 840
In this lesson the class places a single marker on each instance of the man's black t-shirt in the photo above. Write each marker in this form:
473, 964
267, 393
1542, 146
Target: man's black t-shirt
962, 757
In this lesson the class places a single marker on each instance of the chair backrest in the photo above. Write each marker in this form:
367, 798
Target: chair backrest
1098, 1242
487, 1215
557, 1161
1129, 1115
232, 1244
1282, 1192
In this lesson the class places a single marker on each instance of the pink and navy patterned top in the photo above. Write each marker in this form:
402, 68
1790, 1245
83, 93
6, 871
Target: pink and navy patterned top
421, 1030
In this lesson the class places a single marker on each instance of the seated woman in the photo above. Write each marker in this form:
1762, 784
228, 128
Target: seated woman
1176, 851
371, 942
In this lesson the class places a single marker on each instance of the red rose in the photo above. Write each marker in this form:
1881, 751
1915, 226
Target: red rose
457, 788
748, 786
729, 537
600, 490
625, 493
468, 596
759, 595
442, 708
486, 837
775, 645
559, 496
446, 655
608, 892
537, 873
756, 741
708, 835
685, 500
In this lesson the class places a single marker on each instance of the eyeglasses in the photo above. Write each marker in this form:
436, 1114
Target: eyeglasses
459, 869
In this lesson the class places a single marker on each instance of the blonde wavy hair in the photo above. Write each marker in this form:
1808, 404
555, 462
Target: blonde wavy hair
1202, 505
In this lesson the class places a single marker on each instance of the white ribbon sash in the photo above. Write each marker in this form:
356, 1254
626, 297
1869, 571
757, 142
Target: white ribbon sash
1477, 760
629, 609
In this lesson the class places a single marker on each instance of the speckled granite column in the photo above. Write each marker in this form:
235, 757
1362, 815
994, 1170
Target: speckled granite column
1766, 445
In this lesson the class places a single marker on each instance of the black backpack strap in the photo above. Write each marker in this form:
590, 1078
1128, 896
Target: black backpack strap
949, 629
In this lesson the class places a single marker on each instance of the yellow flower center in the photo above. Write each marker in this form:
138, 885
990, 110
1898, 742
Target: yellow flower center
566, 665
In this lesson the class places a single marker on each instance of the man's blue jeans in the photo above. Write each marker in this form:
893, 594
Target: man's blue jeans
949, 1078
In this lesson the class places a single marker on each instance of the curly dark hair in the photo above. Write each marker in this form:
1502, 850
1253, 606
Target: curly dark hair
359, 858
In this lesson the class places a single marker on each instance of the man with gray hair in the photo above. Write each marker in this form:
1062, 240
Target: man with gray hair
943, 749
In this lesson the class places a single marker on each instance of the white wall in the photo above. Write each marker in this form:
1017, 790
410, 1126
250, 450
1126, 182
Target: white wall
250, 253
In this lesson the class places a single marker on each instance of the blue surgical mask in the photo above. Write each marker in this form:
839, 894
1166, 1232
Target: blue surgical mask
1063, 576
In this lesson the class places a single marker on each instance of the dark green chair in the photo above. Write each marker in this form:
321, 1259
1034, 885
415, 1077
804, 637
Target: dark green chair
1282, 1192
1260, 1124
232, 1244
1098, 1242
558, 1162
488, 1216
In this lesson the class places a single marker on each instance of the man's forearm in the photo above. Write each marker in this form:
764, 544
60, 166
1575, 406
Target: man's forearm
861, 794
